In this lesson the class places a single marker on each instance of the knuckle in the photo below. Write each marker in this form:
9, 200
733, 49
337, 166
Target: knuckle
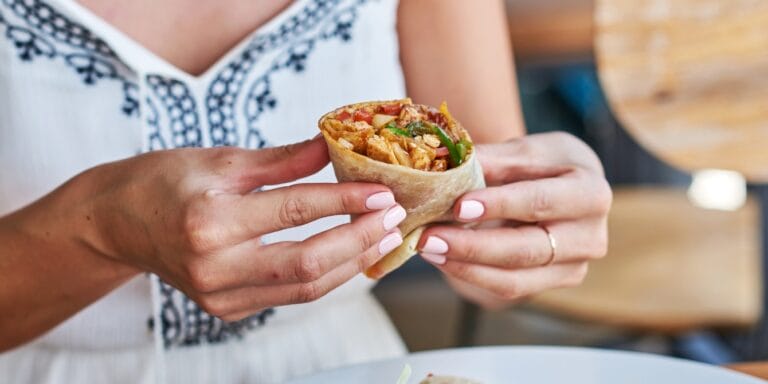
578, 276
461, 270
200, 231
527, 256
295, 211
200, 278
308, 268
563, 138
509, 291
367, 237
211, 306
541, 205
226, 156
233, 317
470, 250
278, 153
598, 242
348, 201
601, 245
307, 292
603, 197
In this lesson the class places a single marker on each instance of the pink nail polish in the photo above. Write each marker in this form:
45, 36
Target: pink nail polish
435, 244
434, 259
380, 200
389, 242
471, 209
393, 217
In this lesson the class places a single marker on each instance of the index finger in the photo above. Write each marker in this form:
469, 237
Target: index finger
259, 213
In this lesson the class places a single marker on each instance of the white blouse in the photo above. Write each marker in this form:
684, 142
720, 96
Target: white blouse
75, 92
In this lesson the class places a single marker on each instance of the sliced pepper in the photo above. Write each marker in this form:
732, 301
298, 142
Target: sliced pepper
398, 131
453, 152
392, 127
462, 149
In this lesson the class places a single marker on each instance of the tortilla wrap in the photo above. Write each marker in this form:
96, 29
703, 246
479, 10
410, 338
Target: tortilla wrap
427, 196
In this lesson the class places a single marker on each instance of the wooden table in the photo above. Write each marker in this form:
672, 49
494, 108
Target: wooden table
757, 369
687, 79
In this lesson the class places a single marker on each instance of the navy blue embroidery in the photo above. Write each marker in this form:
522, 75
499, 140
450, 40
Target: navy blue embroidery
156, 141
47, 33
260, 98
42, 17
181, 108
28, 44
185, 324
226, 87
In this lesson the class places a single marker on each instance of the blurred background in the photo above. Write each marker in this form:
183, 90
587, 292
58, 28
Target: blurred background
684, 276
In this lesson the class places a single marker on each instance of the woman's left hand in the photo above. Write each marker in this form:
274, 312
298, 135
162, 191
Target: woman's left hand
542, 218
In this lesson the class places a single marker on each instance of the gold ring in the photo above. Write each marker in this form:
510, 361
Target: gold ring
552, 246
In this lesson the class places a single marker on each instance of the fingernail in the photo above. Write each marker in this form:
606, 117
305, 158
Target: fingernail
434, 259
471, 209
393, 217
435, 244
390, 242
380, 200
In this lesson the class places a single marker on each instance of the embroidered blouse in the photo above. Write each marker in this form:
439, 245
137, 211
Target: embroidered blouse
75, 92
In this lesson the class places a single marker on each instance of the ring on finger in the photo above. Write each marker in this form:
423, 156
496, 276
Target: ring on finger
552, 246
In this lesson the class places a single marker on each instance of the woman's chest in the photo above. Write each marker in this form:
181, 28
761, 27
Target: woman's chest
189, 34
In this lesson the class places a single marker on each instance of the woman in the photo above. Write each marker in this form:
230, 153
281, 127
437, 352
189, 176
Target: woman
180, 264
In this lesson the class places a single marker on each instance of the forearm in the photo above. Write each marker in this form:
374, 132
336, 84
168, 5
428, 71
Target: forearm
459, 51
49, 271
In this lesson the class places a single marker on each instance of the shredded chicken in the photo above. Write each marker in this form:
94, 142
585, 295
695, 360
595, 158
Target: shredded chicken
414, 136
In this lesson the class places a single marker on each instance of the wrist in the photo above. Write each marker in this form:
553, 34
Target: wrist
66, 223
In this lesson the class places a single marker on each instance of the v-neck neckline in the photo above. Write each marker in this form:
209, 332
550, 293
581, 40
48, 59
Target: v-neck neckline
142, 59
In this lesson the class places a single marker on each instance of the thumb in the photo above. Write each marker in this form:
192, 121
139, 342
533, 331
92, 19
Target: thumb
286, 163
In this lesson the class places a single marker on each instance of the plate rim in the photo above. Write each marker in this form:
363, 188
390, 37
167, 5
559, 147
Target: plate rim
539, 349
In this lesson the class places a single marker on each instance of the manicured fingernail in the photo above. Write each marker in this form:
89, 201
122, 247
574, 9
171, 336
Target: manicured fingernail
390, 242
434, 259
380, 200
393, 217
471, 209
435, 244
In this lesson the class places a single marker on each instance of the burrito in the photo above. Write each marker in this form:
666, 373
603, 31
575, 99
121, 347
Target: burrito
421, 153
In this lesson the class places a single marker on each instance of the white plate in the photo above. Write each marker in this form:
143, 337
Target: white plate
536, 365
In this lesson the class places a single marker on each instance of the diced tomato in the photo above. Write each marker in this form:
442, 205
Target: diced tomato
344, 115
361, 115
390, 109
441, 152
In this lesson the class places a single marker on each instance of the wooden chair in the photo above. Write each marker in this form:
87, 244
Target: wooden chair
689, 81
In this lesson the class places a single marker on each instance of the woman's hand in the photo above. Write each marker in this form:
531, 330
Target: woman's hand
547, 182
192, 217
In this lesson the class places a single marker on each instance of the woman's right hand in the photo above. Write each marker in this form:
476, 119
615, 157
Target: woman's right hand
192, 217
